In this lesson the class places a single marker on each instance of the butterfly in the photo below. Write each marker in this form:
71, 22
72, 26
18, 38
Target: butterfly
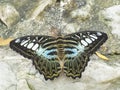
53, 55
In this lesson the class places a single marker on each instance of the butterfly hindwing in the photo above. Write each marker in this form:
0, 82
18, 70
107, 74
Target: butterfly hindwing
49, 68
81, 46
73, 67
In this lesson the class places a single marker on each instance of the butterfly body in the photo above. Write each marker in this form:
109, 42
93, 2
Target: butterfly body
68, 54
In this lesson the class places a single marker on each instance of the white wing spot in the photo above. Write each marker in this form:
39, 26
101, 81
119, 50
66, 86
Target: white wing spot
17, 40
99, 33
35, 46
28, 38
23, 42
94, 36
88, 40
25, 45
88, 33
93, 39
40, 39
83, 36
80, 34
77, 36
30, 45
84, 43
34, 40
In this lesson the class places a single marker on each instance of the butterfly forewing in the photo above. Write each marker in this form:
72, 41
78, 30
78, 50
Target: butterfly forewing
52, 55
90, 41
27, 45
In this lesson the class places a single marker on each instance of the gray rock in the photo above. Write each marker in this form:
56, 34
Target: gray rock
7, 77
18, 73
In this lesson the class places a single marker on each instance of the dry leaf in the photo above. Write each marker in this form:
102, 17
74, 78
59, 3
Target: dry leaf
101, 56
4, 42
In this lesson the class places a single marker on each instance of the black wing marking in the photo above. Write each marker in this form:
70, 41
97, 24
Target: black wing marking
38, 49
28, 45
47, 52
81, 46
90, 40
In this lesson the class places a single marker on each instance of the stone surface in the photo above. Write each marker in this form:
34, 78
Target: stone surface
18, 73
8, 14
112, 18
7, 77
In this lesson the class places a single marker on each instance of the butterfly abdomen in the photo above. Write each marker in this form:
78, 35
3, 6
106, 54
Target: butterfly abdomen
60, 48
